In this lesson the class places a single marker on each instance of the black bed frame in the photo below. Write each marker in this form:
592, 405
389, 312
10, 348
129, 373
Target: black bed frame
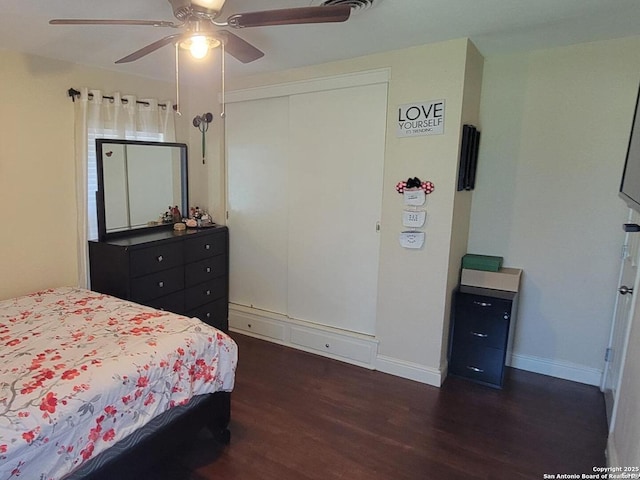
214, 413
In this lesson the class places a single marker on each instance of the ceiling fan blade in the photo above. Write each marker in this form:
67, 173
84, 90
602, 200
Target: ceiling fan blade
89, 21
239, 48
290, 16
152, 47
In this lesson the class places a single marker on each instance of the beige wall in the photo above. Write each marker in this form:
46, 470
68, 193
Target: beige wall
200, 94
555, 127
414, 285
37, 177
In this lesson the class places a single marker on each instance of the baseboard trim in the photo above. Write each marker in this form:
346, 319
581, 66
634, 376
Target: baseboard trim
555, 368
409, 370
349, 347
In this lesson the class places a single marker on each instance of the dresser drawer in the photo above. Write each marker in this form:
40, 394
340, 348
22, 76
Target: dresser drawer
173, 302
205, 293
329, 343
157, 284
148, 260
181, 272
206, 269
257, 327
207, 246
483, 364
214, 313
481, 331
478, 306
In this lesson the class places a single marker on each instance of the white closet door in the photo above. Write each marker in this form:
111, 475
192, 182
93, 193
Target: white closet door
337, 140
257, 144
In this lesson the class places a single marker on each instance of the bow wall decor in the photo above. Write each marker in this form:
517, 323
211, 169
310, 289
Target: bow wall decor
415, 183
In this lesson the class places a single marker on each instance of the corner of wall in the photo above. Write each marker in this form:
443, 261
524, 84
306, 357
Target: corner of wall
410, 370
470, 114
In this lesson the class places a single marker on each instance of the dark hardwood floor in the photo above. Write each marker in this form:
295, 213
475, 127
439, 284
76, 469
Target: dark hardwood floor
297, 416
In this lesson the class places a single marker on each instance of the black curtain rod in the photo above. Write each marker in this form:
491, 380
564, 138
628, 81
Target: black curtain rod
73, 93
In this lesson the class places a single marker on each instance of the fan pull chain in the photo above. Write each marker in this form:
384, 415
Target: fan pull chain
178, 80
222, 113
204, 143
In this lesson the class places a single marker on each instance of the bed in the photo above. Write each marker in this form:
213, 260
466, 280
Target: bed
83, 373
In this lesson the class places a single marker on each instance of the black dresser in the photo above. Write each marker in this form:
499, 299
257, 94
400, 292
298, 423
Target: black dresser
183, 272
480, 334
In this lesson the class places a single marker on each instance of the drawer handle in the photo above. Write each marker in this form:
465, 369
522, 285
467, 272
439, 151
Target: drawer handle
159, 258
161, 284
208, 269
478, 334
482, 304
207, 293
475, 369
249, 325
327, 345
207, 247
208, 314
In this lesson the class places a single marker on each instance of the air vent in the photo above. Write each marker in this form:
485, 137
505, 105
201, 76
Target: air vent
355, 5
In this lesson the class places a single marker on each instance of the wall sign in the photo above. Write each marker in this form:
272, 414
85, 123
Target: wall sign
414, 197
415, 219
412, 239
421, 118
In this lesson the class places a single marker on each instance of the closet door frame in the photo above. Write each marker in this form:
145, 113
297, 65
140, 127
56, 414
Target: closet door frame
357, 79
291, 89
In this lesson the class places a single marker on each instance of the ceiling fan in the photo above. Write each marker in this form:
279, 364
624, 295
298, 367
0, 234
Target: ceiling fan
199, 19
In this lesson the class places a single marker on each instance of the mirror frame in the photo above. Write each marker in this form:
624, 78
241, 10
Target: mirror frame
103, 235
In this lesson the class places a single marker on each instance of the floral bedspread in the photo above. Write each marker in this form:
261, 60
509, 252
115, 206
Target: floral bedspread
80, 370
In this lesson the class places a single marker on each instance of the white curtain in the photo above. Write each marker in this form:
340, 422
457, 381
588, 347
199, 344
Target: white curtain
122, 116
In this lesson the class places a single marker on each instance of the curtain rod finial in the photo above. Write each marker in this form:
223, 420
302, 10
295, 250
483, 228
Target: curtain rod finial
73, 93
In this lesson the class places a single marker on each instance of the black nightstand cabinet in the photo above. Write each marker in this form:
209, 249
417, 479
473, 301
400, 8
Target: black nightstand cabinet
480, 334
182, 272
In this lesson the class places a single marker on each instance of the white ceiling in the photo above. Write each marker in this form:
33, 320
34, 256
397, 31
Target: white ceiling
495, 26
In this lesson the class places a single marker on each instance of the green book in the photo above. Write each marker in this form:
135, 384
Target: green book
487, 263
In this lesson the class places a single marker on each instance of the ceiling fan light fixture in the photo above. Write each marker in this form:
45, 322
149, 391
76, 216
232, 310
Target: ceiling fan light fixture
209, 4
199, 45
200, 32
202, 9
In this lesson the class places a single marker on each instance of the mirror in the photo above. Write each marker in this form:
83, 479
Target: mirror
137, 183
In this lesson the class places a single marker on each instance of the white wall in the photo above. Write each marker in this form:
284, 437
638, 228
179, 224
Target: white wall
37, 175
555, 126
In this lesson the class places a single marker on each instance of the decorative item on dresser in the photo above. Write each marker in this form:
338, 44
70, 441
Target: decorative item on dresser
185, 272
